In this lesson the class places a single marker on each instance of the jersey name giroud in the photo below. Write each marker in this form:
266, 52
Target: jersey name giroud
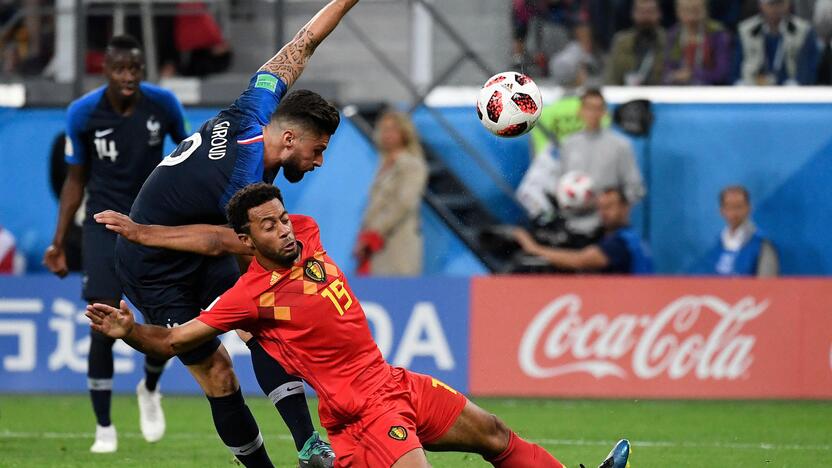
219, 142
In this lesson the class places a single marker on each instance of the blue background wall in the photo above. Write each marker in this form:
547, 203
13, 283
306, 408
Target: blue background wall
782, 152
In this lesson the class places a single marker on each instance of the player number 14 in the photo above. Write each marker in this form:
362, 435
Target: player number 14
335, 292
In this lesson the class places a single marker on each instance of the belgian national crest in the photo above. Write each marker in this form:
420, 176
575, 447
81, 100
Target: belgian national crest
314, 270
398, 433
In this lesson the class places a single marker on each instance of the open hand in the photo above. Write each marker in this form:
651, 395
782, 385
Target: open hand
107, 320
121, 224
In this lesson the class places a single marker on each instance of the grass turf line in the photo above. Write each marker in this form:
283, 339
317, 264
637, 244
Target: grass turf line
52, 431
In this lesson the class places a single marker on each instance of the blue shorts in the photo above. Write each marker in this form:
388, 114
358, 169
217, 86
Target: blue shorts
175, 298
98, 263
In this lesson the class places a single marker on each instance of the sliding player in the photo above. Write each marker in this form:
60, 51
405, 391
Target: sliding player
297, 303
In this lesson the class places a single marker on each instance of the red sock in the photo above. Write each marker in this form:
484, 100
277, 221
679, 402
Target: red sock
522, 454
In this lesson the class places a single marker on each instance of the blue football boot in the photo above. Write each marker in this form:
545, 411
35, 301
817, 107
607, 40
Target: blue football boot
619, 456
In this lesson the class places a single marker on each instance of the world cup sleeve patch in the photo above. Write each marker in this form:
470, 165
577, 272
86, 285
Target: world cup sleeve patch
397, 433
266, 82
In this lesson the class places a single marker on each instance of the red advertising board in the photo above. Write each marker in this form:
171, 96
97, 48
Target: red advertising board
657, 338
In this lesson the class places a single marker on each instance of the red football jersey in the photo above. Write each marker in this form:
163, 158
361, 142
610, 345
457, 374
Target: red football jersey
308, 318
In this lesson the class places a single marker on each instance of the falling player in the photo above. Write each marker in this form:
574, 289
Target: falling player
260, 133
115, 136
295, 300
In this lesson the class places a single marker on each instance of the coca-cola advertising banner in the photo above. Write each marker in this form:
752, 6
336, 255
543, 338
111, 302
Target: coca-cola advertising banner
658, 338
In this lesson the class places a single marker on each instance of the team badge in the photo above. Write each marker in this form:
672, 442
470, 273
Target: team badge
398, 433
154, 128
314, 270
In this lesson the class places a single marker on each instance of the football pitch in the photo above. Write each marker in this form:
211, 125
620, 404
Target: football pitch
56, 431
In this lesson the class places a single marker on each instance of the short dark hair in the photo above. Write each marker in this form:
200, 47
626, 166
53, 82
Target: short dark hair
618, 191
593, 92
123, 42
734, 188
310, 110
247, 198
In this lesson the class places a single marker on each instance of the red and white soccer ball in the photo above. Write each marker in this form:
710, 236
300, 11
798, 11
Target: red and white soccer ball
509, 104
575, 191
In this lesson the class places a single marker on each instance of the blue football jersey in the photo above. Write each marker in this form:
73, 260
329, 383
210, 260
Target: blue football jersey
193, 184
120, 151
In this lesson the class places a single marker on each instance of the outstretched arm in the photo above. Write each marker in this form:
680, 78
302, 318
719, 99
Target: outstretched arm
290, 61
149, 339
203, 239
590, 258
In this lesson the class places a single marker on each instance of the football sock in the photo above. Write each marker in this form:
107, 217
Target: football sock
285, 391
100, 376
238, 429
522, 454
153, 369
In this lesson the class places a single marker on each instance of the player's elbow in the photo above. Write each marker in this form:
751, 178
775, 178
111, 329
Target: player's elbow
175, 346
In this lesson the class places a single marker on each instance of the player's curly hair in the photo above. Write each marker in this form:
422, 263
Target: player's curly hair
308, 109
245, 199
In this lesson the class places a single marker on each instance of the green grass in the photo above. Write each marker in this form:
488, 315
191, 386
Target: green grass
44, 431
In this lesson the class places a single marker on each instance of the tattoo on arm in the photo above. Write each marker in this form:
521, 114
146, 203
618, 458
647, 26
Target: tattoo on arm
290, 61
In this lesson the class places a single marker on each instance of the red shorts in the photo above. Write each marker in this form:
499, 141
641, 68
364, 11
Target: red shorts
413, 409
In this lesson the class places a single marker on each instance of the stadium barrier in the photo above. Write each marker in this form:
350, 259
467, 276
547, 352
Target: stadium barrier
505, 336
420, 324
651, 338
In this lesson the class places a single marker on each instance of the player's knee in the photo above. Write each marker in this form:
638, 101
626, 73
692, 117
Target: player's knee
495, 435
218, 378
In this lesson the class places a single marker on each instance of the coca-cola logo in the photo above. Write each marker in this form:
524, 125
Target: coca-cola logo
560, 341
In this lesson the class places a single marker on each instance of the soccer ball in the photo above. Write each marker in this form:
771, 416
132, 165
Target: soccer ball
575, 191
509, 104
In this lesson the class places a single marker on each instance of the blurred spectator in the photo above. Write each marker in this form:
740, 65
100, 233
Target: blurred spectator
579, 62
730, 12
190, 43
741, 249
390, 242
24, 36
699, 48
604, 155
201, 47
606, 18
637, 55
823, 28
11, 261
550, 21
775, 48
805, 9
621, 250
575, 67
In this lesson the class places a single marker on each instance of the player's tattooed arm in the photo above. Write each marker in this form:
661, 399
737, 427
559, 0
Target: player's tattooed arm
203, 239
291, 60
155, 341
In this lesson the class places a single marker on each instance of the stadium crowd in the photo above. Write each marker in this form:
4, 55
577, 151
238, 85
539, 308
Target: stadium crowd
676, 42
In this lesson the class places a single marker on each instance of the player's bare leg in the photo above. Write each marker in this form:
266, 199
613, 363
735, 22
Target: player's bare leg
232, 418
478, 431
413, 459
